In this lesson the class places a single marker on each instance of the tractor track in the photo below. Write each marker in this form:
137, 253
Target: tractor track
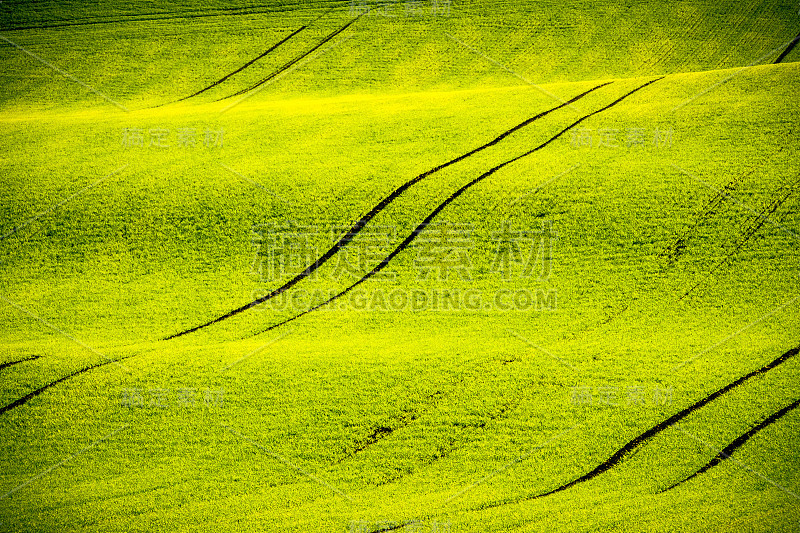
294, 61
457, 436
413, 235
787, 50
748, 233
711, 207
738, 442
374, 211
269, 50
409, 415
364, 220
633, 446
618, 456
37, 392
672, 253
10, 363
158, 16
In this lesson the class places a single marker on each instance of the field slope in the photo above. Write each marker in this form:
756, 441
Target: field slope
407, 266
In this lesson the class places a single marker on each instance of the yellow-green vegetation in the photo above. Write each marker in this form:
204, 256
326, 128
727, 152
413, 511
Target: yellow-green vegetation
411, 266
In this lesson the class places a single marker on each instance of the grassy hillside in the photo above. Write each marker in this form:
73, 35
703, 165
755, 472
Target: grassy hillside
563, 298
141, 56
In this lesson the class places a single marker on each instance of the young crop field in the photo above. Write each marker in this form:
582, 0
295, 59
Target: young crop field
392, 265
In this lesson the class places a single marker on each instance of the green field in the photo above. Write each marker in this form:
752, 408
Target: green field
400, 266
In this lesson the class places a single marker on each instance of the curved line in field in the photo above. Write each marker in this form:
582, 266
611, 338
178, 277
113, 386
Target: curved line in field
446, 202
147, 17
374, 211
271, 48
382, 264
296, 59
644, 437
738, 442
674, 250
747, 234
40, 390
380, 206
787, 50
711, 208
10, 363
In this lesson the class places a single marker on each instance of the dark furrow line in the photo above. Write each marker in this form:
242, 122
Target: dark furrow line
661, 426
642, 438
146, 17
271, 48
445, 203
381, 432
787, 50
674, 250
5, 365
24, 399
457, 436
296, 59
747, 234
386, 260
40, 390
359, 225
738, 442
408, 417
130, 20
711, 206
394, 527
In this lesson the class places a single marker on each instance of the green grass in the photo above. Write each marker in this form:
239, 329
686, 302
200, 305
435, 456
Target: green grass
349, 417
